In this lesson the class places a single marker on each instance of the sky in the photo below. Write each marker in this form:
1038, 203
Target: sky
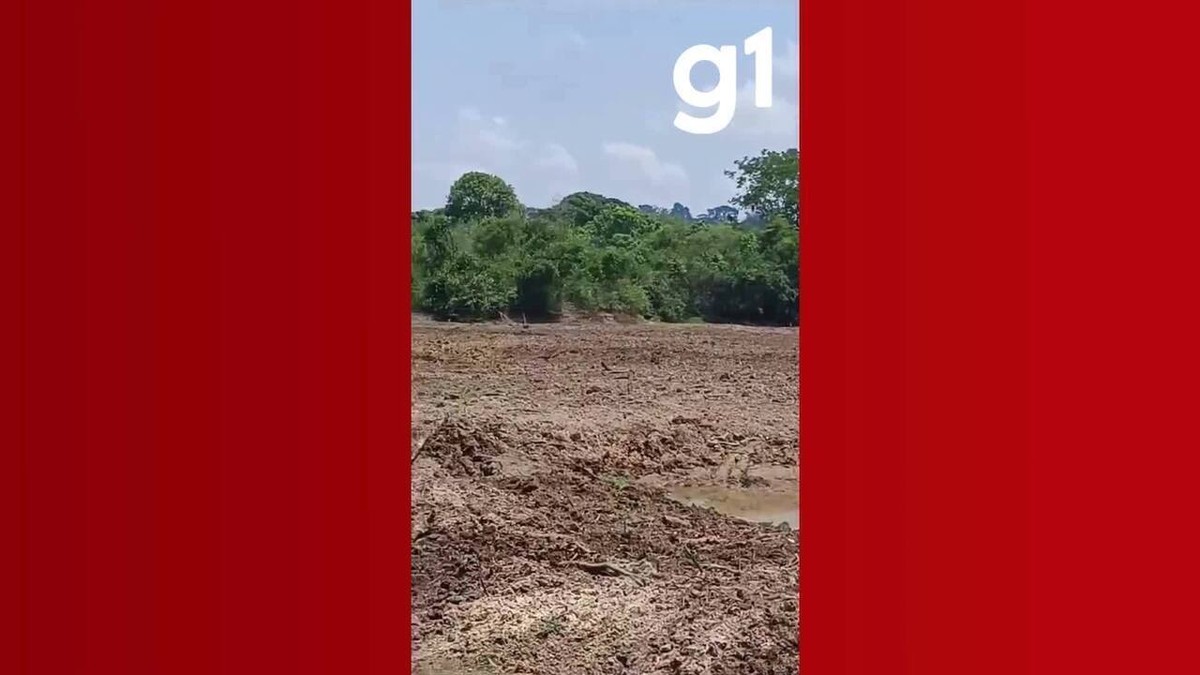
559, 96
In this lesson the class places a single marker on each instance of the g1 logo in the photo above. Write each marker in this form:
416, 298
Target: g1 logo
724, 95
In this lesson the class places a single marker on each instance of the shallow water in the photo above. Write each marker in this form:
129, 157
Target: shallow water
758, 505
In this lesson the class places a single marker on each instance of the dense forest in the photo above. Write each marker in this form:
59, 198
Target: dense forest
484, 255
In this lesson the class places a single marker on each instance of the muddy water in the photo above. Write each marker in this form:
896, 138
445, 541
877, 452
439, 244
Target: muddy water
759, 505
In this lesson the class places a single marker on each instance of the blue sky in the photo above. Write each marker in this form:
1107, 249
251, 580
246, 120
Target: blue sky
559, 96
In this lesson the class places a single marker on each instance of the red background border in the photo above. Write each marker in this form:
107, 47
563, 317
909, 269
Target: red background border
998, 337
209, 268
204, 259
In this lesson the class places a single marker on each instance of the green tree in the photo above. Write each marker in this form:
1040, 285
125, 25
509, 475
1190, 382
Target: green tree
613, 221
539, 289
483, 256
681, 212
769, 184
465, 287
580, 208
480, 195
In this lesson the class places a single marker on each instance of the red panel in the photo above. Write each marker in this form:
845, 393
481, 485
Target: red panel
998, 338
210, 267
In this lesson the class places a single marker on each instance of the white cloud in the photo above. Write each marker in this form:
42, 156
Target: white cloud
553, 175
644, 176
496, 140
538, 171
645, 163
555, 157
787, 64
778, 124
485, 139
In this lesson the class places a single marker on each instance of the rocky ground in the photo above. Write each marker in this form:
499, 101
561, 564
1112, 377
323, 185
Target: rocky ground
555, 489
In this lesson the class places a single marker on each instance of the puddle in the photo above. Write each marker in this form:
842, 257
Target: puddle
755, 505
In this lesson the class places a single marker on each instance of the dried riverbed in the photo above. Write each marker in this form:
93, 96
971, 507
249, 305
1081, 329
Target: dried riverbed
604, 498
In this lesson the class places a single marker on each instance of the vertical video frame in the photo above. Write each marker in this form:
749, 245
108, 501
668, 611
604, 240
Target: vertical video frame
605, 383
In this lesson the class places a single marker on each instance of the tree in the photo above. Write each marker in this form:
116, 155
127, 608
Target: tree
769, 184
652, 210
483, 257
617, 220
479, 195
580, 208
721, 214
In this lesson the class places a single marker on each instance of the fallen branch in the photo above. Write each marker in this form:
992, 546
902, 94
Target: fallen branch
421, 443
606, 569
579, 466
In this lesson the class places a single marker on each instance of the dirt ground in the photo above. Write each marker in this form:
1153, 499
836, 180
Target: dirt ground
577, 491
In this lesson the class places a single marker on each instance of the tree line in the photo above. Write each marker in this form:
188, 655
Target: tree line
484, 255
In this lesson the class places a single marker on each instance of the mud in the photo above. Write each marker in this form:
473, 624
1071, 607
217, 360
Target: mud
585, 499
754, 504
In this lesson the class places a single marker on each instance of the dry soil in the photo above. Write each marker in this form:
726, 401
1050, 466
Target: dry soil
603, 497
